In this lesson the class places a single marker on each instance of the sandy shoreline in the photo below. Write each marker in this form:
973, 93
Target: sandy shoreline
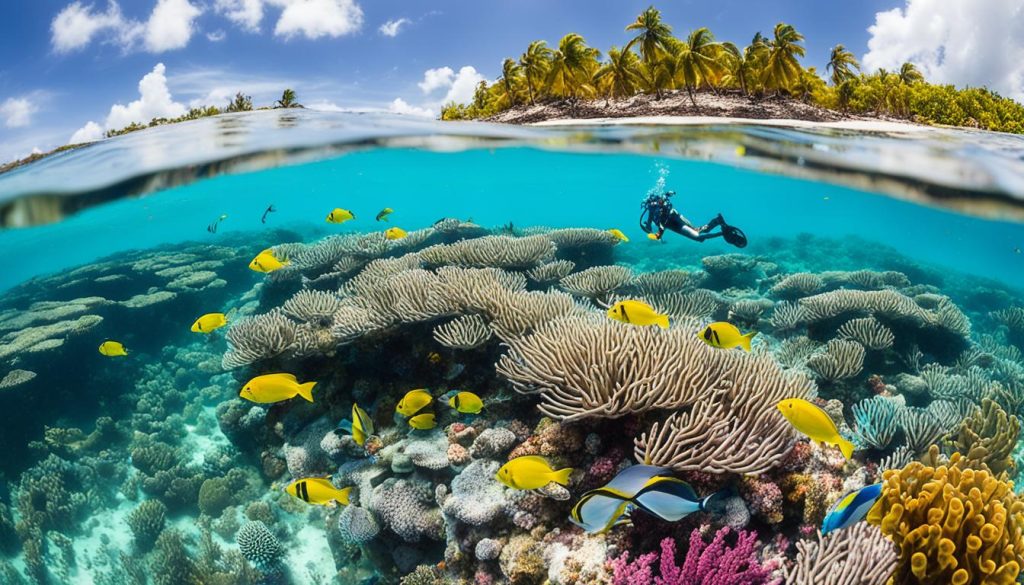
858, 125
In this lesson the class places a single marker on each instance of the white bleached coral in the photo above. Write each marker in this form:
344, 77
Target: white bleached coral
476, 497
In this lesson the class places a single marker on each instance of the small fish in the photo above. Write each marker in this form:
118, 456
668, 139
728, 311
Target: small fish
423, 422
270, 388
112, 348
270, 209
395, 233
531, 472
813, 422
384, 213
212, 228
654, 237
726, 336
339, 215
265, 261
851, 508
434, 357
319, 491
360, 427
618, 235
637, 313
209, 322
413, 402
466, 403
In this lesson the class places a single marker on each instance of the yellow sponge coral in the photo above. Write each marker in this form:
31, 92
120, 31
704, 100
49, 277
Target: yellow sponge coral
952, 524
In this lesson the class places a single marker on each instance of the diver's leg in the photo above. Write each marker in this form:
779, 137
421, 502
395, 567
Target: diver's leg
676, 223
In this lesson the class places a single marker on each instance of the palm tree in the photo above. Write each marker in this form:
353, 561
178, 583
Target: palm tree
535, 63
572, 67
241, 103
620, 75
841, 62
654, 38
696, 61
510, 78
782, 69
743, 64
909, 74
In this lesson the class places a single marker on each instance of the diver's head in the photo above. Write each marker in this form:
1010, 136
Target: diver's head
669, 193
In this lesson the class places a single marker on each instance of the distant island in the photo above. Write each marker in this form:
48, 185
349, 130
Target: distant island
656, 73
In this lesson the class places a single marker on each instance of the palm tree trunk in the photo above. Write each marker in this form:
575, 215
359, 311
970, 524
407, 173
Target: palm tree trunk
529, 85
689, 90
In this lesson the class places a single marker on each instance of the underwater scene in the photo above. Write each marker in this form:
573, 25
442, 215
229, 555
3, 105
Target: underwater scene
314, 348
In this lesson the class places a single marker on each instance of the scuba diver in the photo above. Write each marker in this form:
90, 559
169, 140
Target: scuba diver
658, 214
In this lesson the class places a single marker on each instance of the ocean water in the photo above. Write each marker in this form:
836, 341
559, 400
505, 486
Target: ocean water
883, 277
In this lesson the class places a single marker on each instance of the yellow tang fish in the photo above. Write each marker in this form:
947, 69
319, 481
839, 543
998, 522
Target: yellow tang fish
361, 425
466, 403
265, 261
618, 235
531, 472
209, 322
271, 388
339, 215
318, 490
423, 422
413, 402
637, 313
384, 213
395, 233
726, 336
112, 348
815, 423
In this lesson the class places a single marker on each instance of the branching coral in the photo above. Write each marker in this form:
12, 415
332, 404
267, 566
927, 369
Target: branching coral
464, 332
254, 338
795, 286
841, 359
698, 304
597, 282
876, 421
952, 524
147, 522
551, 271
1013, 320
667, 281
890, 305
787, 316
747, 312
868, 332
492, 251
989, 437
568, 238
858, 555
714, 563
311, 306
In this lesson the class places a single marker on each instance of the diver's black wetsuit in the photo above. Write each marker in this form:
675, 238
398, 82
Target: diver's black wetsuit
659, 213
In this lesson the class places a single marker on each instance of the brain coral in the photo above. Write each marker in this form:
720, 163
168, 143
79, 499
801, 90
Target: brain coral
952, 524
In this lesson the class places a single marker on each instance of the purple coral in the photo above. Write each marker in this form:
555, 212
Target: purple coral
713, 563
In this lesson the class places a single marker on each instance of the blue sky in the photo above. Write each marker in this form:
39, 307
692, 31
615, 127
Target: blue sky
68, 63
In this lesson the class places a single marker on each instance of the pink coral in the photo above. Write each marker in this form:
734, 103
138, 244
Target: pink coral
458, 455
764, 499
713, 563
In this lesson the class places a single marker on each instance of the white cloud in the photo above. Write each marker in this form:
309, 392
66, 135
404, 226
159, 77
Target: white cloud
17, 112
154, 101
318, 18
436, 79
74, 27
170, 25
324, 106
91, 132
216, 36
965, 42
399, 106
217, 86
391, 28
463, 86
245, 13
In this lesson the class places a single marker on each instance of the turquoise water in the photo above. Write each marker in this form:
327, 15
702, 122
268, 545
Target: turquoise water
883, 279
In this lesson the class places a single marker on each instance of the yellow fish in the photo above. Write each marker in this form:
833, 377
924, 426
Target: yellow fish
466, 403
339, 215
423, 422
361, 425
384, 213
618, 235
318, 490
413, 402
726, 336
112, 348
209, 322
813, 422
531, 472
395, 233
265, 261
271, 388
637, 313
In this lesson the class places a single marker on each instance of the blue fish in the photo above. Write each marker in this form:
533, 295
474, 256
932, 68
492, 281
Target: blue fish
851, 508
672, 499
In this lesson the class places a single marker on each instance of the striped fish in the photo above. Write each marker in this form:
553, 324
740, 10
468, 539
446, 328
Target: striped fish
851, 508
319, 491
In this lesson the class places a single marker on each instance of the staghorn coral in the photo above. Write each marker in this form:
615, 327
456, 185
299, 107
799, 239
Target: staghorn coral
551, 272
311, 306
858, 555
876, 421
1013, 320
597, 282
868, 332
259, 545
989, 437
667, 281
147, 522
747, 312
171, 563
795, 286
492, 251
252, 339
841, 359
787, 316
951, 524
464, 332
